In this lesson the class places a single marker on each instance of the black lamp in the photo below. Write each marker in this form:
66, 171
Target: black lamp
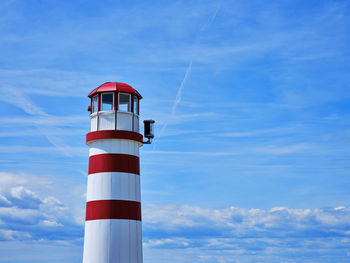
148, 130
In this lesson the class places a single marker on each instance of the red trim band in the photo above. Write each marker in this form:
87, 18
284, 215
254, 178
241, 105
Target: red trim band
114, 162
111, 134
113, 209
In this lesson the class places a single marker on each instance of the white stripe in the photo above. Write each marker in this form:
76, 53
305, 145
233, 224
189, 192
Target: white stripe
113, 241
114, 146
113, 186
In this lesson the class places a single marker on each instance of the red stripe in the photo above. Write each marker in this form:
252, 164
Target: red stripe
114, 162
111, 134
113, 209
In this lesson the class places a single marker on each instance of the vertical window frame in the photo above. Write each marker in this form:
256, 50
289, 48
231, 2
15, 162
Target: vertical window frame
116, 101
99, 102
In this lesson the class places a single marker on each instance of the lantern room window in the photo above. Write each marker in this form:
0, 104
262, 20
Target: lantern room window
107, 101
94, 104
136, 105
124, 102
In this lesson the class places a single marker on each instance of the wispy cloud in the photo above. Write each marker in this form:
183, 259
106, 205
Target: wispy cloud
263, 150
256, 132
46, 120
286, 149
73, 151
192, 153
31, 132
49, 82
15, 97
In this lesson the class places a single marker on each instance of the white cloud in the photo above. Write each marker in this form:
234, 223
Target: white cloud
50, 223
245, 235
177, 242
13, 235
11, 179
24, 198
234, 222
197, 233
33, 214
17, 215
20, 192
4, 201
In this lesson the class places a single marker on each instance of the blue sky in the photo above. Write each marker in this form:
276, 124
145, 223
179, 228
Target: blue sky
251, 101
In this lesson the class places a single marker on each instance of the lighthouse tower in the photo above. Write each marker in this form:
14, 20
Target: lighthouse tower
113, 231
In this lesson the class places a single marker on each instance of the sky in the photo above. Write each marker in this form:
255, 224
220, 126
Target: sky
251, 100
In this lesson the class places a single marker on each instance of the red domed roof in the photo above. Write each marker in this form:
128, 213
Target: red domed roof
115, 86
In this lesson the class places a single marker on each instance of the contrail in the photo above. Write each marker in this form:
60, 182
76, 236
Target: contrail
212, 18
178, 96
187, 73
179, 92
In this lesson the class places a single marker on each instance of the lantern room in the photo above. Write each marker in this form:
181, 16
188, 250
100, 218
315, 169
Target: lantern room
114, 106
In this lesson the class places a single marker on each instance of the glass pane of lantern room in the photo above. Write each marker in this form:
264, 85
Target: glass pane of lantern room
94, 103
136, 106
107, 101
124, 102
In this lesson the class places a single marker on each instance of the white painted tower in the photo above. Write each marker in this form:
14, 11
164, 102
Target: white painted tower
113, 232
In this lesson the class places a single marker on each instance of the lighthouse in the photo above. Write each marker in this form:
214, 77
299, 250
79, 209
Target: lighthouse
113, 232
